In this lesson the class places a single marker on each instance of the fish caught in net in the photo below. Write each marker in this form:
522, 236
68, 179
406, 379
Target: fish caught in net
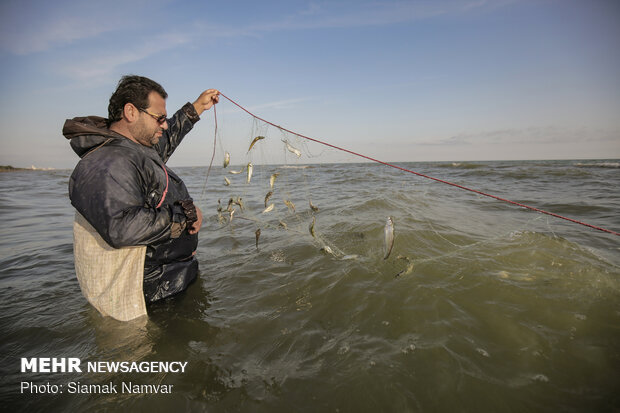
272, 191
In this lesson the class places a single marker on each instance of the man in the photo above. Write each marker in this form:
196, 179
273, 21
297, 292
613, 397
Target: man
122, 188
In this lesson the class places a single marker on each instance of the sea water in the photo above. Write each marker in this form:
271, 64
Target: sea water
503, 309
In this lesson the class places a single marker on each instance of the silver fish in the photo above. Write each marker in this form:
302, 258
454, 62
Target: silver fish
311, 228
226, 159
283, 225
327, 250
272, 179
257, 233
226, 181
237, 172
250, 169
291, 149
258, 138
232, 212
267, 197
313, 207
269, 208
388, 237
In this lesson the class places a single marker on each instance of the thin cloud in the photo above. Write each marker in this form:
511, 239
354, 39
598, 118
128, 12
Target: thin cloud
50, 34
278, 105
330, 15
528, 136
103, 65
343, 15
32, 26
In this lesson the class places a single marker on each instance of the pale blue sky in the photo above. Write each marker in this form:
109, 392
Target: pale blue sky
395, 80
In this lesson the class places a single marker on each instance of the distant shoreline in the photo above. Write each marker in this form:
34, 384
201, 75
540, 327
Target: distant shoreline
9, 168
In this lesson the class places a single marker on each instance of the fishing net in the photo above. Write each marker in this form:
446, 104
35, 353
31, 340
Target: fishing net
276, 185
273, 190
464, 280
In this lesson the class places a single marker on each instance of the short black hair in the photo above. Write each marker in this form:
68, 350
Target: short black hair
135, 90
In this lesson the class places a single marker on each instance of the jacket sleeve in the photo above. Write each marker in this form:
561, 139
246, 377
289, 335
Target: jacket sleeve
112, 200
178, 126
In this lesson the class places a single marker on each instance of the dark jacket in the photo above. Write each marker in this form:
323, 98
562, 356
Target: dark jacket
118, 186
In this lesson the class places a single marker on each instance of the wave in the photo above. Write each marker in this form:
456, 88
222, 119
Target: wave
461, 165
293, 166
613, 165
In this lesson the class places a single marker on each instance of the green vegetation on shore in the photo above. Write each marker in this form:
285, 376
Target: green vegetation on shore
9, 168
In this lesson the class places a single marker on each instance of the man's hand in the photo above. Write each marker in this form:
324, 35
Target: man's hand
206, 99
196, 225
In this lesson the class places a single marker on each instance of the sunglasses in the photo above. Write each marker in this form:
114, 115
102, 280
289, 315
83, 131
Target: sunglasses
159, 118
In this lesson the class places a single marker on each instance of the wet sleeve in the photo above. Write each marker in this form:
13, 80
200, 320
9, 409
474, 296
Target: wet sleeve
113, 201
178, 126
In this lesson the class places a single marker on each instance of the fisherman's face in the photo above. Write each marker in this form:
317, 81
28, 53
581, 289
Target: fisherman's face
148, 129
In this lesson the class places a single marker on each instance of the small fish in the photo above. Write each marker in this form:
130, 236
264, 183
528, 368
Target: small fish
409, 267
313, 207
257, 233
258, 138
230, 205
327, 250
291, 149
290, 205
219, 205
226, 159
269, 208
283, 225
226, 181
405, 271
311, 228
267, 197
388, 234
237, 172
232, 212
239, 202
272, 179
250, 169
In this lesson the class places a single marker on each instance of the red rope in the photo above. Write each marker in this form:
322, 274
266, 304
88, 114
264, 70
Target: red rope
165, 190
422, 175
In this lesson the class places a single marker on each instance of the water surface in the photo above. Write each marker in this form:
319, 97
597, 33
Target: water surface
504, 309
